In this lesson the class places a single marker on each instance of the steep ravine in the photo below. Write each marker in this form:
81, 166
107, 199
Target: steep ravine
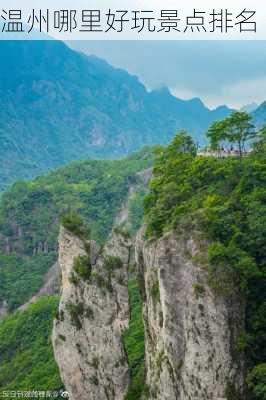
191, 332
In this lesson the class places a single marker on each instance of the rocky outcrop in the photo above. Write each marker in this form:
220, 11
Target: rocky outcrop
191, 331
92, 315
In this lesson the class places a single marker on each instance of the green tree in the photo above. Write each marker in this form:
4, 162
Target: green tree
257, 382
182, 143
260, 144
239, 129
215, 134
236, 129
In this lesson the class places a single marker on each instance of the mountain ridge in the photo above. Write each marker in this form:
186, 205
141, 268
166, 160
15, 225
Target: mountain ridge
58, 105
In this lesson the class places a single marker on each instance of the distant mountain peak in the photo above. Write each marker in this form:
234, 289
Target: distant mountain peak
163, 90
197, 101
259, 115
223, 108
262, 105
249, 107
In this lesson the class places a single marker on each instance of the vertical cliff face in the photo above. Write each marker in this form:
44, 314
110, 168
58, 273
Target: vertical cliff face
191, 332
93, 313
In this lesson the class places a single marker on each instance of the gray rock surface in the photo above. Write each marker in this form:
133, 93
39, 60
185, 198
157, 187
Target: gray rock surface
191, 331
92, 316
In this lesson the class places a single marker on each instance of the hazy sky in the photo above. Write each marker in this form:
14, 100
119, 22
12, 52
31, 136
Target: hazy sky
219, 72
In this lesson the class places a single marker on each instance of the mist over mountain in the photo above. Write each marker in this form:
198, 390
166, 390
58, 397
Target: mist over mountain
219, 72
259, 115
58, 105
249, 107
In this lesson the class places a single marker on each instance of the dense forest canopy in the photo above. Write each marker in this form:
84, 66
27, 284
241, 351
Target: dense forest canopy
30, 213
27, 360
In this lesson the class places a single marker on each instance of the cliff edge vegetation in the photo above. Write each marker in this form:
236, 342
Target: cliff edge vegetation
224, 200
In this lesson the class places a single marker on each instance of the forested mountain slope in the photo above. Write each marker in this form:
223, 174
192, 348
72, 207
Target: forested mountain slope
27, 360
57, 105
30, 213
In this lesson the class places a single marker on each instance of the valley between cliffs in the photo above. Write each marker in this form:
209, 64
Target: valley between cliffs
191, 332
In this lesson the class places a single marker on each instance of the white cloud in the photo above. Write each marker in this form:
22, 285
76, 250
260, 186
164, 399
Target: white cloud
231, 73
240, 93
234, 95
